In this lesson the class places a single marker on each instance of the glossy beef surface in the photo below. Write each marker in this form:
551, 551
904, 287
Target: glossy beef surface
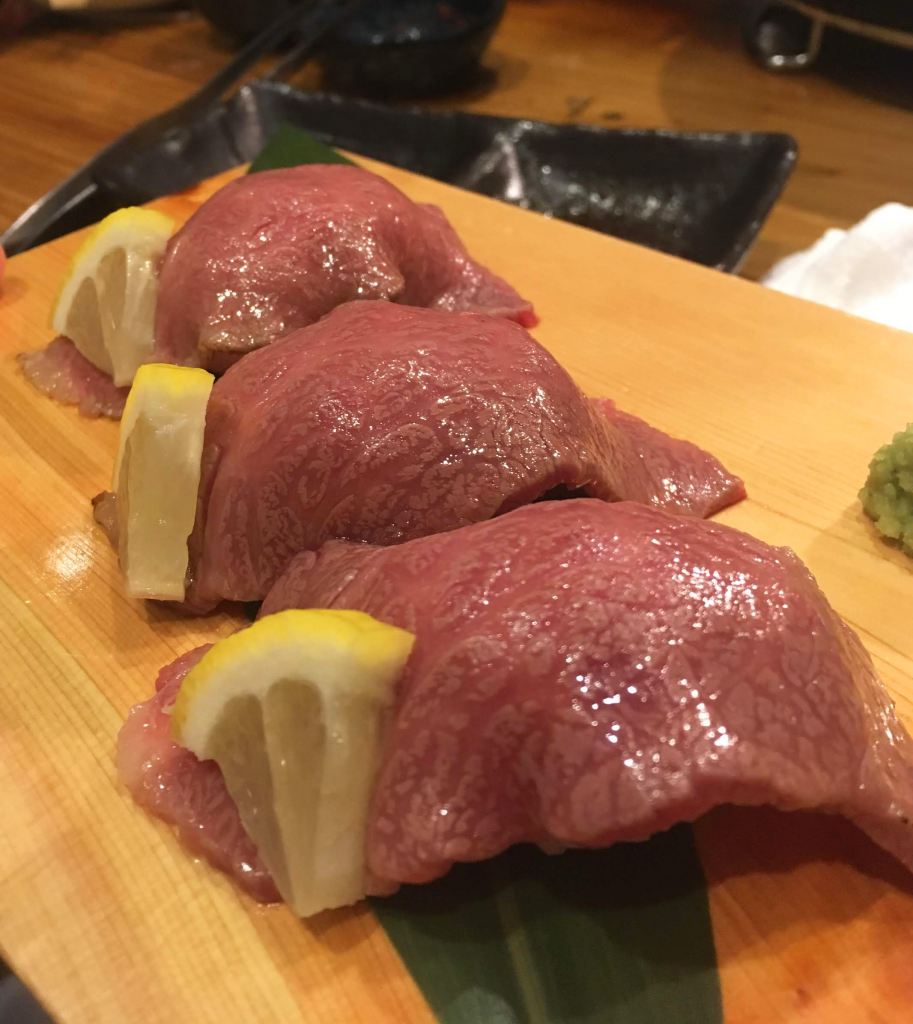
586, 673
382, 423
275, 251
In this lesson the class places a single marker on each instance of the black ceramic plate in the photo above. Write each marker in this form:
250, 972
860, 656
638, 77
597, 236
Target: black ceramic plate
702, 196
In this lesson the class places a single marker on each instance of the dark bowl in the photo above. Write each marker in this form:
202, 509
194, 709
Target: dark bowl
410, 47
241, 19
388, 47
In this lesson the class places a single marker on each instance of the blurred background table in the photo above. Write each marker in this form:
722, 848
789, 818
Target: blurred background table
618, 63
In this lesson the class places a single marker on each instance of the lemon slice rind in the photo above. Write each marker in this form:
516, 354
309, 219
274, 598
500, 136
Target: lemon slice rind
293, 709
106, 301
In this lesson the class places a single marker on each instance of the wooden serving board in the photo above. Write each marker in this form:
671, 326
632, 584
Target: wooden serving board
107, 918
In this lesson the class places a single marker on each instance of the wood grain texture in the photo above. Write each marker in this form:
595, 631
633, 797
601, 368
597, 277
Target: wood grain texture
101, 910
618, 63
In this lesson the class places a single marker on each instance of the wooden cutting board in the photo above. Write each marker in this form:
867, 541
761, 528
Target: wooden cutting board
107, 918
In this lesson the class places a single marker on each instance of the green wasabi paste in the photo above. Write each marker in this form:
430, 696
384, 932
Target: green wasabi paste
888, 493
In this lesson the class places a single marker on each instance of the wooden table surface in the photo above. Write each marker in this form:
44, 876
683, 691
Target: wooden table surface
644, 63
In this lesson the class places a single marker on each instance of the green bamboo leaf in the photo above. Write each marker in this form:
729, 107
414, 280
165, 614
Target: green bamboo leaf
291, 147
621, 935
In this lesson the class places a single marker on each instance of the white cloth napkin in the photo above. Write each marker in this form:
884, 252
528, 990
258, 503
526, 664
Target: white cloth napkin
867, 270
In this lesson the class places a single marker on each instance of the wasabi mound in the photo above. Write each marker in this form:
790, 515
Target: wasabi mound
888, 493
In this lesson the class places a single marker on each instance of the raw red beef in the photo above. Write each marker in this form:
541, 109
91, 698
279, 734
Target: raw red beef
63, 372
683, 477
383, 423
275, 251
170, 782
583, 673
587, 673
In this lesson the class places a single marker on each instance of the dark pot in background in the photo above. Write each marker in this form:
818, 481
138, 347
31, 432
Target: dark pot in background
411, 48
786, 35
388, 47
238, 19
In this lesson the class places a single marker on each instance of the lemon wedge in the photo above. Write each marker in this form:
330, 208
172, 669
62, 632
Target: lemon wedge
106, 302
157, 476
293, 709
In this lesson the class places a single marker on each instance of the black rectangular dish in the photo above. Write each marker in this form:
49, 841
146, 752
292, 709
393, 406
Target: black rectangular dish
699, 195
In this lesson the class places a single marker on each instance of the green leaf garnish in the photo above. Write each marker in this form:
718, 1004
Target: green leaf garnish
621, 935
291, 147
